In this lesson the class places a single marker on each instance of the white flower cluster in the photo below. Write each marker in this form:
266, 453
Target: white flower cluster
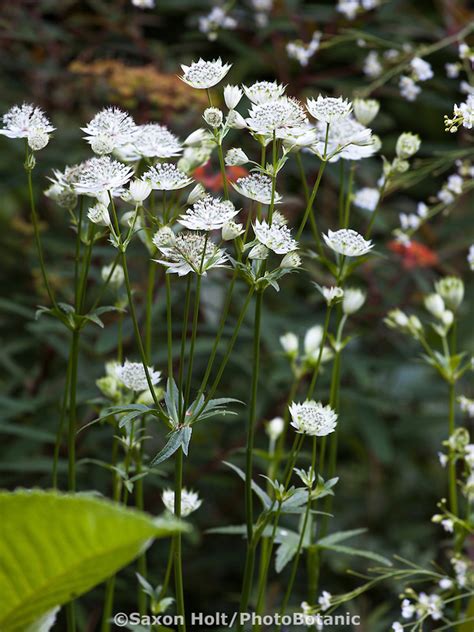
188, 252
312, 418
214, 21
204, 74
27, 121
350, 8
302, 51
420, 71
133, 376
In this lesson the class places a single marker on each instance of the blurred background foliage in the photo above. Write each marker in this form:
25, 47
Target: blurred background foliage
72, 58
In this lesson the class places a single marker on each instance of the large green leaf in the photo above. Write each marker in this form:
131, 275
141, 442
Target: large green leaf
54, 547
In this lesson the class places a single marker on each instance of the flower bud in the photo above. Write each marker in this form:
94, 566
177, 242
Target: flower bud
231, 230
99, 214
232, 96
38, 139
236, 157
353, 300
313, 340
102, 144
139, 190
274, 428
451, 290
289, 342
236, 120
407, 145
164, 237
196, 193
117, 277
435, 305
291, 260
213, 117
365, 110
332, 295
259, 252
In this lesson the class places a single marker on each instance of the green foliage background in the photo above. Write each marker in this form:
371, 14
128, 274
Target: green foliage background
393, 409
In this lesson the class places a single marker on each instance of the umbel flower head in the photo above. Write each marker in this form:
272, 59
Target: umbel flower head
256, 186
204, 74
109, 130
263, 91
166, 177
348, 242
152, 141
27, 121
312, 418
208, 213
62, 188
276, 237
190, 252
278, 115
190, 501
99, 175
133, 376
329, 109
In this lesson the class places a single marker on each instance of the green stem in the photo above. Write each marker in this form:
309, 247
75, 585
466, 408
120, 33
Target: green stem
148, 308
184, 335
347, 208
169, 325
62, 419
34, 219
178, 570
309, 206
453, 497
193, 340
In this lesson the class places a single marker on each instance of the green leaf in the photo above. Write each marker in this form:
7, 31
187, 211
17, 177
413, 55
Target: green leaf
264, 497
340, 536
177, 439
55, 547
348, 550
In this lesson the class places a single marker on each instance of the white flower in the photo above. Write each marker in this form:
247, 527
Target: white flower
259, 252
325, 600
365, 110
291, 260
421, 69
367, 198
216, 19
445, 583
208, 213
312, 418
372, 66
116, 275
460, 568
99, 214
443, 459
190, 252
144, 4
190, 501
278, 115
276, 237
348, 242
99, 175
464, 113
445, 196
431, 605
213, 117
262, 91
133, 376
62, 186
407, 145
451, 290
303, 52
455, 183
348, 8
152, 141
236, 120
397, 627
347, 139
332, 294
408, 609
204, 74
164, 237
231, 230
289, 342
256, 186
435, 305
312, 340
329, 109
232, 96
452, 70
139, 190
110, 129
197, 137
353, 300
448, 525
422, 210
275, 427
166, 177
236, 156
408, 88
27, 121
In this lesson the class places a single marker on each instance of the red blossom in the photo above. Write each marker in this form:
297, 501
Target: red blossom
414, 255
213, 181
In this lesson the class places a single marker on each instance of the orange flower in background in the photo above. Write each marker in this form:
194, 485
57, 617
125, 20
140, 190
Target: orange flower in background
213, 181
414, 255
